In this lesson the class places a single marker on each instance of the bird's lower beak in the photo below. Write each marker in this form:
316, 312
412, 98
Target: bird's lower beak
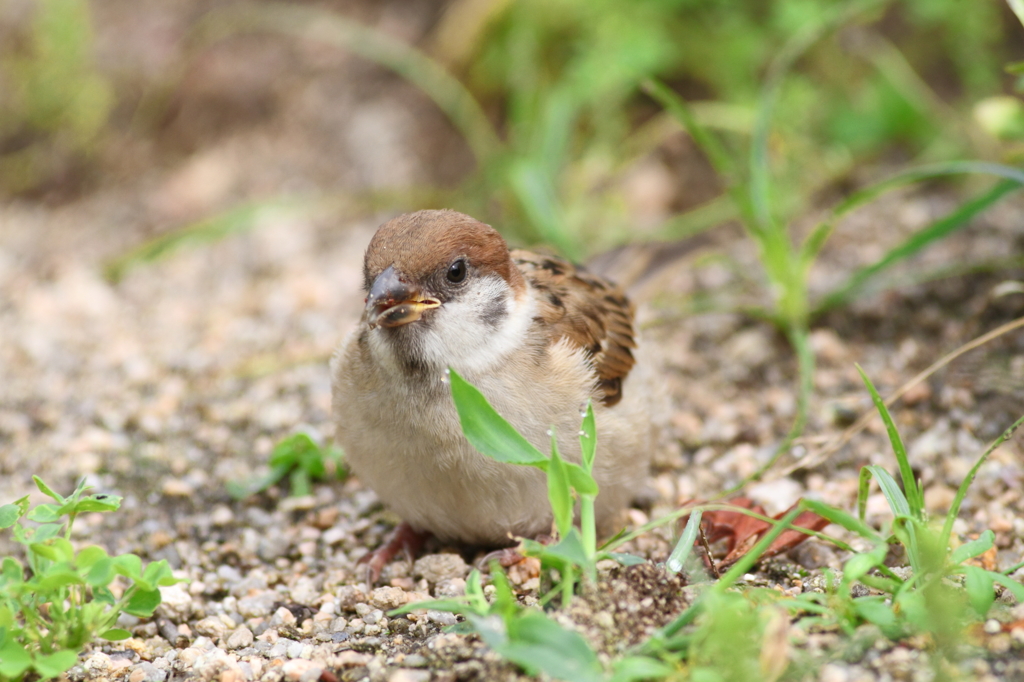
392, 302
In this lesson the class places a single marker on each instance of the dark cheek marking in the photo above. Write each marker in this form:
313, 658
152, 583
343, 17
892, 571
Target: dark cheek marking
495, 311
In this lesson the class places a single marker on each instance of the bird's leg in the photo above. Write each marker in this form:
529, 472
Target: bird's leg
405, 539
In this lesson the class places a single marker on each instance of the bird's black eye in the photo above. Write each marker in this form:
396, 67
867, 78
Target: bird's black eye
456, 271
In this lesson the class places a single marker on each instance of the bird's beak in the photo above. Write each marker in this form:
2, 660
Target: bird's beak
392, 302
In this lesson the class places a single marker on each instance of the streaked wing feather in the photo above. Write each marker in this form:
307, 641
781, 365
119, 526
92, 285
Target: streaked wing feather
588, 311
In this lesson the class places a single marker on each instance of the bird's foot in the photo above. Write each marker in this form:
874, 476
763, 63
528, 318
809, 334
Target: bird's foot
404, 539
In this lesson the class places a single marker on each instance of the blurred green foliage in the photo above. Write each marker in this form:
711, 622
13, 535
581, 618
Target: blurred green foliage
566, 75
55, 102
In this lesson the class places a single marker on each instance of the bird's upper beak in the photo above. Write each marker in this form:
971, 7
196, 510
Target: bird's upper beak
393, 302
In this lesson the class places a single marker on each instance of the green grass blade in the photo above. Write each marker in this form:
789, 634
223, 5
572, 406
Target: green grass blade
1015, 588
842, 518
677, 559
974, 548
913, 535
814, 242
890, 489
961, 493
533, 188
487, 430
941, 228
720, 158
913, 493
928, 172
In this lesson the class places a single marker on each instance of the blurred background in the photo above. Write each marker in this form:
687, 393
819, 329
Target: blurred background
531, 114
186, 189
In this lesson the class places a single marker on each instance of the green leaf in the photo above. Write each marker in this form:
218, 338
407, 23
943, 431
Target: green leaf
491, 629
45, 489
876, 610
559, 492
568, 549
632, 668
974, 548
292, 450
10, 513
860, 564
93, 503
11, 570
582, 482
677, 559
842, 518
53, 665
588, 439
115, 634
159, 573
914, 497
890, 489
90, 555
540, 644
142, 603
55, 579
487, 431
44, 513
100, 573
1014, 587
14, 660
128, 565
980, 587
45, 532
101, 594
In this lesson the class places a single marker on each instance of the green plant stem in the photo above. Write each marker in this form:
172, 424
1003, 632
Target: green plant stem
961, 493
568, 583
588, 529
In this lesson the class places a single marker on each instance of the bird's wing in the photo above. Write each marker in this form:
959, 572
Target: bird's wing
588, 311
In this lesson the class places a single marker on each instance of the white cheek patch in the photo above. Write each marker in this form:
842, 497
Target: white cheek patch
471, 334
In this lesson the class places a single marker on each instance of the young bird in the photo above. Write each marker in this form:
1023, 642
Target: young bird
536, 335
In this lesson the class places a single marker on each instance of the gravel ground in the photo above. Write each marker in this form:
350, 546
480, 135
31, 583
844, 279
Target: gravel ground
181, 378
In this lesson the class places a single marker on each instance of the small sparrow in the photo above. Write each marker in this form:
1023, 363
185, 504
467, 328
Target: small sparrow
538, 336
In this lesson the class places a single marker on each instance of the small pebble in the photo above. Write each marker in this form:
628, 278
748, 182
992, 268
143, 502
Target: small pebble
387, 598
240, 638
301, 670
175, 603
442, 617
437, 567
147, 672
